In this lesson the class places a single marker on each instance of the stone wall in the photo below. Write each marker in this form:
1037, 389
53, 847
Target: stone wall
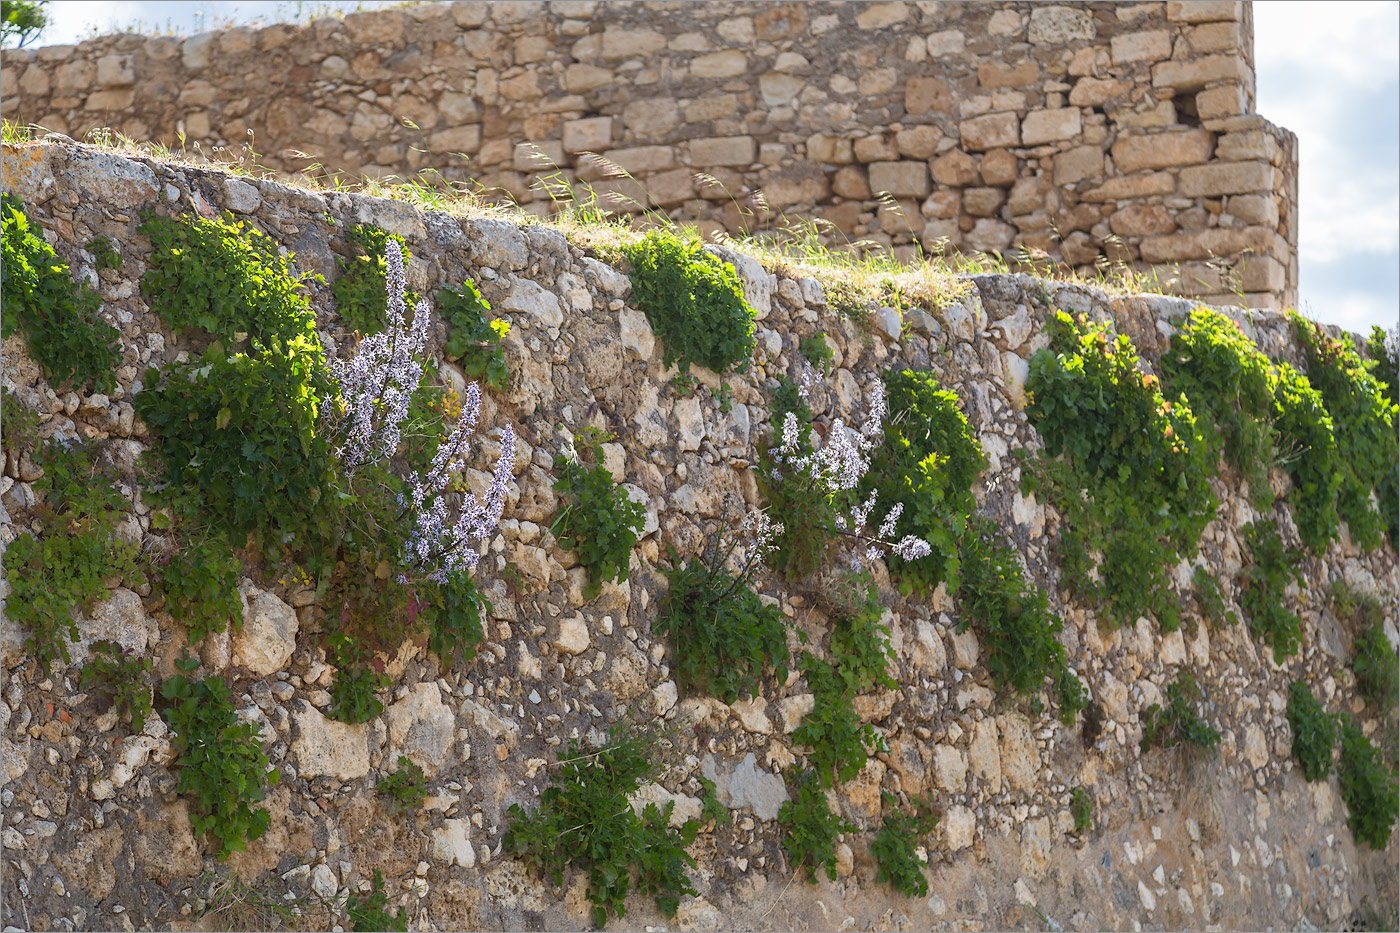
1096, 132
95, 836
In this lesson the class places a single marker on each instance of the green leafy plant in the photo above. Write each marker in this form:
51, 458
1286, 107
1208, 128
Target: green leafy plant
18, 423
1230, 385
57, 315
242, 430
1074, 696
1209, 599
472, 341
1368, 788
1178, 722
200, 581
600, 522
817, 350
451, 610
895, 847
1384, 348
1364, 419
711, 807
1081, 807
225, 278
61, 571
359, 289
806, 512
404, 788
372, 914
121, 680
1012, 617
1133, 478
585, 821
104, 254
358, 679
221, 761
1374, 664
1308, 451
723, 636
810, 827
1314, 732
22, 21
929, 461
1262, 586
839, 741
694, 302
861, 645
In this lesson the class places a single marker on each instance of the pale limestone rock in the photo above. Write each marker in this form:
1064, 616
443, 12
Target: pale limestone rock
241, 197
747, 786
451, 843
752, 715
1020, 761
1056, 25
687, 807
793, 709
758, 283
965, 648
528, 298
950, 768
985, 756
959, 827
268, 636
928, 653
120, 618
324, 746
573, 635
421, 726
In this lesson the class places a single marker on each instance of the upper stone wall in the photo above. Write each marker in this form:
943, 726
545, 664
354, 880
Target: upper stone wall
1091, 131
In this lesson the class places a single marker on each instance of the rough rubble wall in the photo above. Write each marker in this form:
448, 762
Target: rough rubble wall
1092, 131
95, 838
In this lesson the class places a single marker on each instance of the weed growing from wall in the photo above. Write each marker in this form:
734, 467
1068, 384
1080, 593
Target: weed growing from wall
359, 290
1209, 599
1081, 808
223, 277
1368, 789
473, 342
840, 743
1384, 348
694, 302
585, 822
1314, 732
1133, 478
1178, 723
56, 315
1364, 420
810, 827
723, 636
222, 765
860, 644
1374, 664
404, 788
928, 462
200, 579
120, 681
896, 847
371, 915
806, 516
60, 571
1262, 586
599, 521
1308, 451
1229, 383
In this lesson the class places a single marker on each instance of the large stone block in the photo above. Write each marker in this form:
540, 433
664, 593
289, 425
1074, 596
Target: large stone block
1055, 25
1152, 46
631, 43
1092, 92
955, 168
991, 131
1078, 164
927, 95
1209, 181
591, 135
882, 15
901, 179
1207, 244
1132, 186
1196, 74
1228, 100
1045, 126
721, 150
1204, 11
1160, 150
993, 75
1142, 220
729, 63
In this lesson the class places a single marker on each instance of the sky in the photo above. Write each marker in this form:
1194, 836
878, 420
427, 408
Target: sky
1328, 71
